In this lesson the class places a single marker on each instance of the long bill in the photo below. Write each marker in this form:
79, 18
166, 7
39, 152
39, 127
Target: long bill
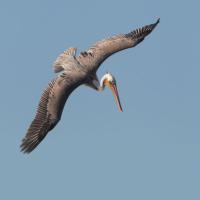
113, 88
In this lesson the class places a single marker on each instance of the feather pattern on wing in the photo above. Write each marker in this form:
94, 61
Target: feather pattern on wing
49, 110
95, 55
65, 60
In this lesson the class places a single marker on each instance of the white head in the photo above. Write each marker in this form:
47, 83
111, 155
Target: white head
107, 77
109, 80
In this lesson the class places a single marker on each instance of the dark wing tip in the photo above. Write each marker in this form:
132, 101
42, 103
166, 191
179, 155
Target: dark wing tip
28, 145
152, 26
140, 33
36, 133
158, 20
31, 141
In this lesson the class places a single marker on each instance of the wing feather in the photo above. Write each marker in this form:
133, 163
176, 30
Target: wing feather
49, 111
65, 60
95, 55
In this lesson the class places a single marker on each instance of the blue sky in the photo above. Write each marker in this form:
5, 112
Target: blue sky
151, 150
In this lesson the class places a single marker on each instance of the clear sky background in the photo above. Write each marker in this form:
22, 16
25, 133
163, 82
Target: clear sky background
151, 150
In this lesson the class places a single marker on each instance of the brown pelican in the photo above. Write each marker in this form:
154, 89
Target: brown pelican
73, 72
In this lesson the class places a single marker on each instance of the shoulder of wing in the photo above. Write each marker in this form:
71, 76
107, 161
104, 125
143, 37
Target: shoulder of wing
65, 60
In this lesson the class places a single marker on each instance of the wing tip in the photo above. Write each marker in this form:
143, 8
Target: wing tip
155, 24
26, 147
158, 21
141, 33
152, 26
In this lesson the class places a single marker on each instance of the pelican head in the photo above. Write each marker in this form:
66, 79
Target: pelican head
109, 80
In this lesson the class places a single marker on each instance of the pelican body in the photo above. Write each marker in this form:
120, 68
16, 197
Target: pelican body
74, 71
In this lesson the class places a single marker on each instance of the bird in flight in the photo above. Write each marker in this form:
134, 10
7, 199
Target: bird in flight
75, 70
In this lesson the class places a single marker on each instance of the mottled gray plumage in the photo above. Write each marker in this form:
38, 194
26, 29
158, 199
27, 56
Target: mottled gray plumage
94, 56
65, 59
74, 71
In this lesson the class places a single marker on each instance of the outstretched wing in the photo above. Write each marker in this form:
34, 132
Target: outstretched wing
65, 60
94, 56
49, 110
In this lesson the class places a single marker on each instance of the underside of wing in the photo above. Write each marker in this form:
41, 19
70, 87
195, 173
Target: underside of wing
95, 55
